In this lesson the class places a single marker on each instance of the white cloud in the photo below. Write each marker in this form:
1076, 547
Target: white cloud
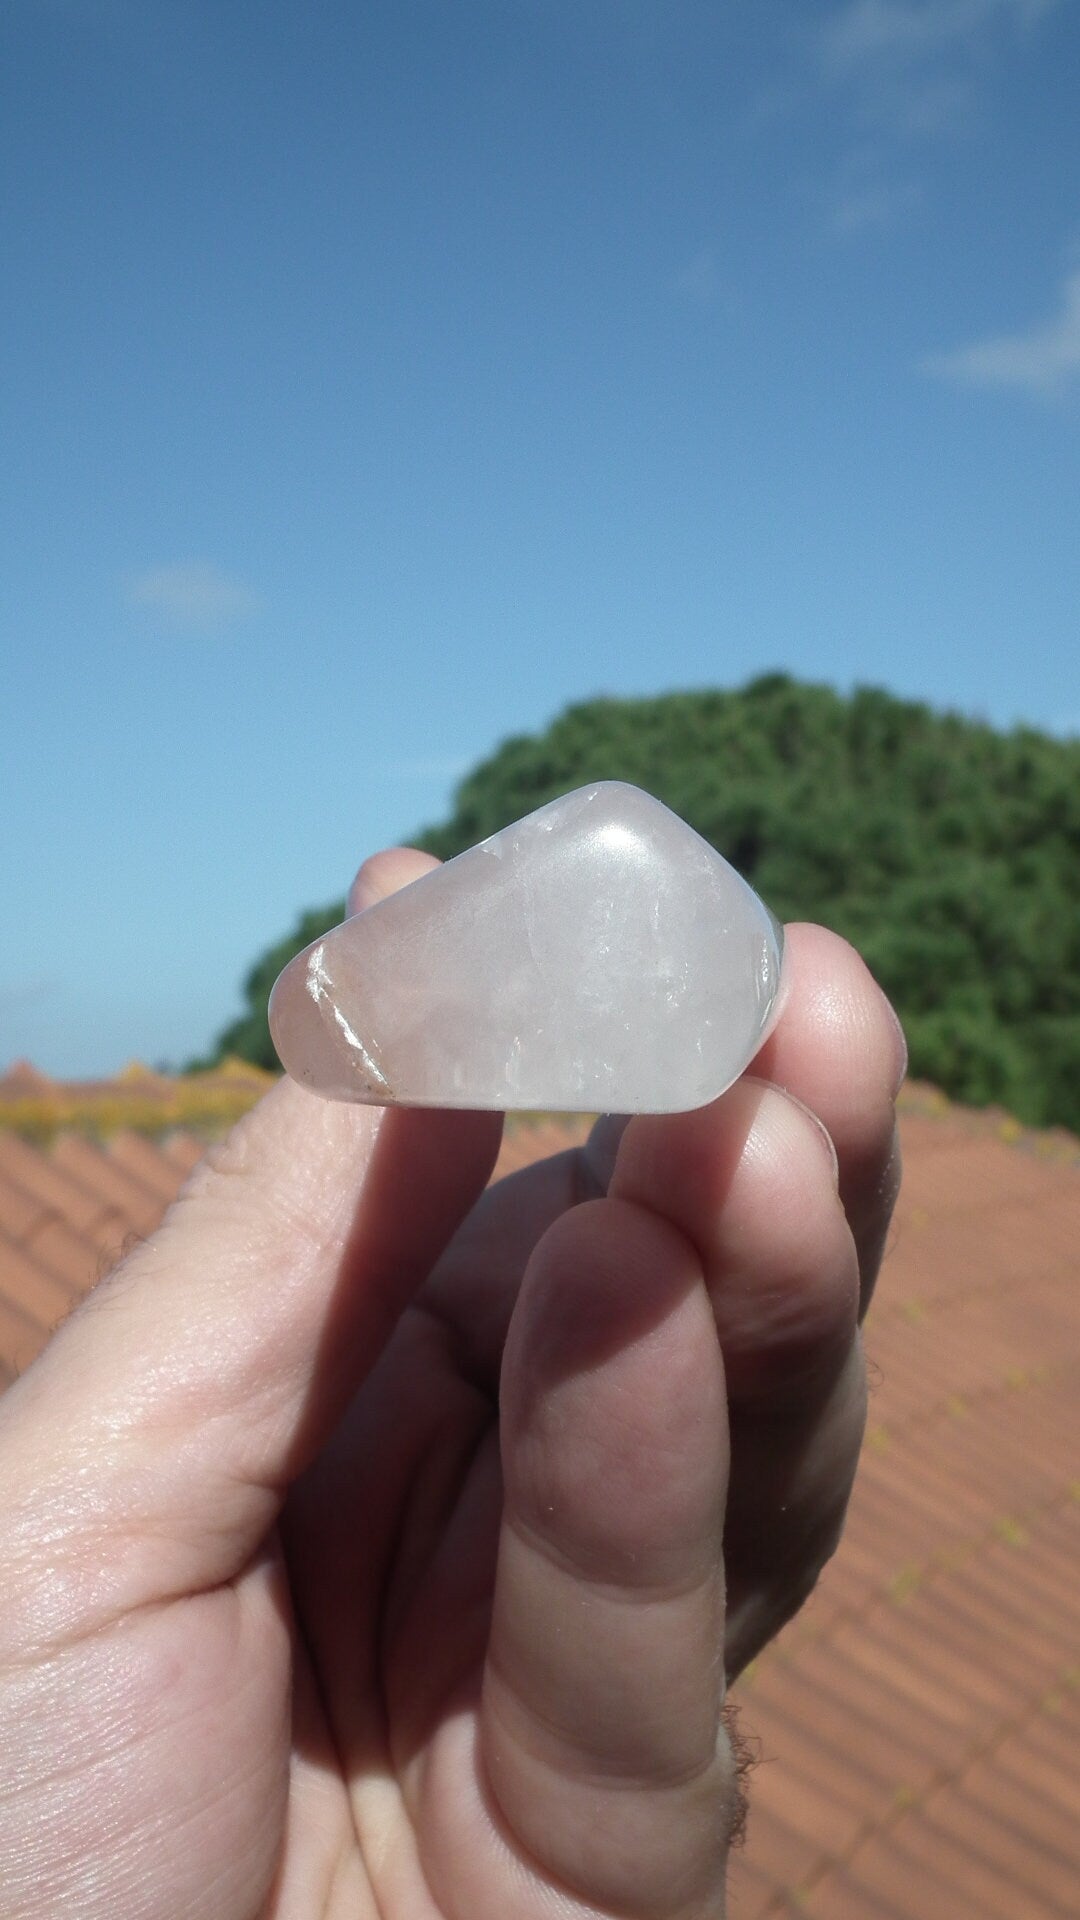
699, 280
193, 594
854, 210
1043, 359
916, 67
871, 30
431, 767
860, 197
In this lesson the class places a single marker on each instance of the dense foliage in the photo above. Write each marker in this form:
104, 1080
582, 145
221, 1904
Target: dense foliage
249, 1037
947, 852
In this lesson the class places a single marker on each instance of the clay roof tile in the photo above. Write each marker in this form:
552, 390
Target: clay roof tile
144, 1160
138, 1203
918, 1722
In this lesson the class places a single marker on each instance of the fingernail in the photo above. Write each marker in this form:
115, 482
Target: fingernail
361, 895
823, 1131
901, 1050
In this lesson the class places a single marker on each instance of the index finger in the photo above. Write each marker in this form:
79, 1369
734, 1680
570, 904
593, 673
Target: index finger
838, 1047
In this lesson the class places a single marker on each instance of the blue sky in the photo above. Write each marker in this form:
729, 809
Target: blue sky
378, 380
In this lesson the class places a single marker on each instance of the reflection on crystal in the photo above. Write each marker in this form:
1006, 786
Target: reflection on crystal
597, 956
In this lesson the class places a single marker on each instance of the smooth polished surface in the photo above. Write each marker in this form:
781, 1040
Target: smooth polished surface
597, 956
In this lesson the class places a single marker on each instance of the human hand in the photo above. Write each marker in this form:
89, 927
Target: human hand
372, 1545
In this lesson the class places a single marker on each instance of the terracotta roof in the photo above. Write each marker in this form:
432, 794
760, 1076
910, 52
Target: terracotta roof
34, 1105
67, 1213
22, 1077
917, 1725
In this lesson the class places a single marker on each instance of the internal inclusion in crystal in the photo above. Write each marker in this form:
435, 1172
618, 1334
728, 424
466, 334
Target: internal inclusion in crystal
597, 956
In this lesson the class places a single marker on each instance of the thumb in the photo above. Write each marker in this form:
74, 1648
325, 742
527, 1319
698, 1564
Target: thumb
172, 1410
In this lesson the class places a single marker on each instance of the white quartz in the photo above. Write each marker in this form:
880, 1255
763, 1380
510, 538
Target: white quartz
597, 956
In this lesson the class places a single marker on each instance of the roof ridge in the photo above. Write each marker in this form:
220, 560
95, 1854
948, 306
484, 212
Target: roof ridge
31, 1159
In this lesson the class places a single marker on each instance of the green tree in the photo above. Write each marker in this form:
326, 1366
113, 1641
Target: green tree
948, 852
248, 1038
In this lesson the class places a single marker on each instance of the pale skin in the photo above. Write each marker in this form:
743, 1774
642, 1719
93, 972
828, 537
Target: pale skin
373, 1547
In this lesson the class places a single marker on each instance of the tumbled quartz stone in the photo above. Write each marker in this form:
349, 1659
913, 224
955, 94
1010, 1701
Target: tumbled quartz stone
597, 956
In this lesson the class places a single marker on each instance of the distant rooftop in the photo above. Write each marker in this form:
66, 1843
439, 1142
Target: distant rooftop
918, 1724
38, 1107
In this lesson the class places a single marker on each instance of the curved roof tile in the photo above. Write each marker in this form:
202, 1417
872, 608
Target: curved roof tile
918, 1723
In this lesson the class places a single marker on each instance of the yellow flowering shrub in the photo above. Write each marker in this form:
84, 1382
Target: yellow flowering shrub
206, 1104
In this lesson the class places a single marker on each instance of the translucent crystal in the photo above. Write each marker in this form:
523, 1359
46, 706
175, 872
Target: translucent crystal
597, 956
